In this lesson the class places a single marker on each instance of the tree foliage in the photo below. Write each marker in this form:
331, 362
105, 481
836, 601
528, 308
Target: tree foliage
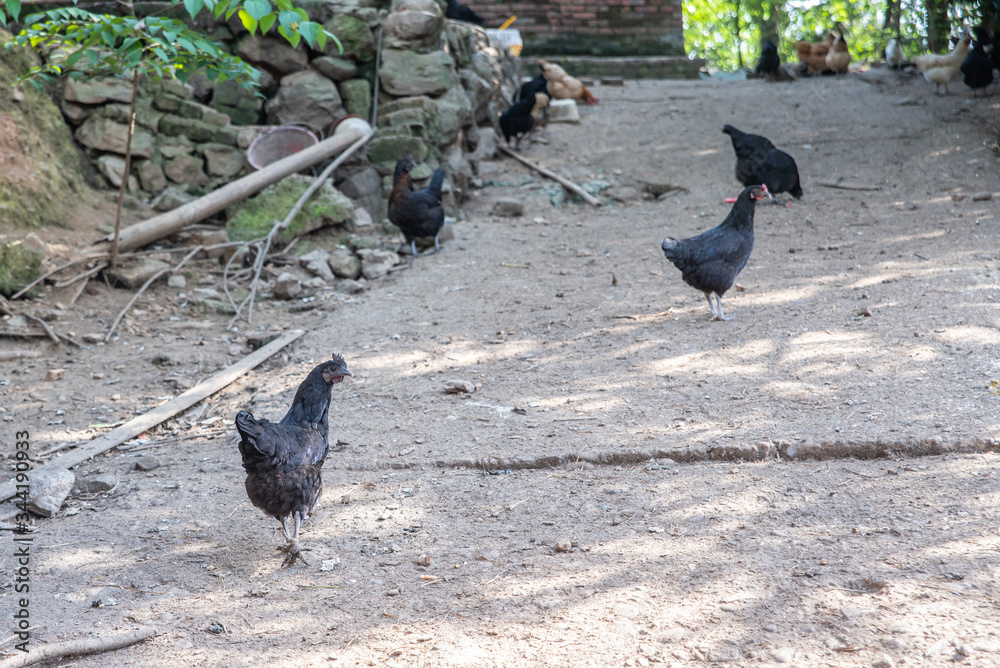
729, 33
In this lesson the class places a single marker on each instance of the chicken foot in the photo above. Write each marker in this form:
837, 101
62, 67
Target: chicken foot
291, 546
717, 313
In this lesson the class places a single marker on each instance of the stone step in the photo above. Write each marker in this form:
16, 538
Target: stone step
626, 67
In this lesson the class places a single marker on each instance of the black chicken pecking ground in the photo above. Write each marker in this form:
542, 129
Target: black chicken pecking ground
711, 261
283, 460
417, 213
759, 162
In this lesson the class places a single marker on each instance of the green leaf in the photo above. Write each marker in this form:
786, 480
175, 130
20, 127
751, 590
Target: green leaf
186, 43
3, 19
295, 39
13, 8
220, 7
340, 47
267, 22
207, 47
73, 57
309, 30
249, 22
232, 10
92, 56
286, 19
193, 7
321, 41
284, 5
161, 54
257, 9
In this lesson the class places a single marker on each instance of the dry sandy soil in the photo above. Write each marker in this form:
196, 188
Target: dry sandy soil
813, 483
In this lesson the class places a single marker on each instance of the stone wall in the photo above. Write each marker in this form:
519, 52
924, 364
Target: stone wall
437, 80
592, 27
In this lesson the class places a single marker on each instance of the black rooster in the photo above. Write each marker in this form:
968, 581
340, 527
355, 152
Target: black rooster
537, 85
456, 10
417, 213
759, 162
711, 261
517, 120
769, 61
283, 459
977, 68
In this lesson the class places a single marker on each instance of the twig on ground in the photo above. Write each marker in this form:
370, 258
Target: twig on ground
846, 186
8, 355
79, 647
79, 291
87, 274
156, 444
564, 182
225, 274
152, 278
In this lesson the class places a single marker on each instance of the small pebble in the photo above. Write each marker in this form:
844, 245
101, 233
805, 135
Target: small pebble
147, 463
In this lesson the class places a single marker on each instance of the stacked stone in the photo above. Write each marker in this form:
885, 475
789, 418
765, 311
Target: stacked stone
436, 82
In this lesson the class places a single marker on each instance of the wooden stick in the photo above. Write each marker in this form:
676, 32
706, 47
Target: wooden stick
278, 226
846, 186
78, 277
167, 223
378, 63
41, 323
79, 647
175, 439
79, 291
8, 355
46, 275
145, 285
150, 419
565, 183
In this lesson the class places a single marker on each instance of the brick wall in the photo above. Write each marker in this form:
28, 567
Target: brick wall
592, 27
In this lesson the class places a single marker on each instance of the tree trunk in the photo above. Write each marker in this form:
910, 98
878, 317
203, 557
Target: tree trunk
736, 33
769, 27
113, 261
891, 23
938, 28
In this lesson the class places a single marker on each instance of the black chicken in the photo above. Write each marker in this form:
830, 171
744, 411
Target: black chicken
537, 85
977, 68
456, 10
517, 120
283, 459
417, 213
769, 61
758, 161
711, 261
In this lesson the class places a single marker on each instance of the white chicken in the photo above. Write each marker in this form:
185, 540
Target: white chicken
938, 69
893, 54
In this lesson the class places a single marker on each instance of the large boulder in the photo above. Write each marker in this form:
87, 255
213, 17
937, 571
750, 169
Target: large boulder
240, 104
344, 263
186, 169
385, 150
256, 216
19, 265
355, 36
273, 54
98, 91
357, 94
414, 24
104, 134
222, 160
306, 98
376, 263
151, 176
364, 187
199, 131
113, 167
406, 73
480, 93
454, 111
337, 69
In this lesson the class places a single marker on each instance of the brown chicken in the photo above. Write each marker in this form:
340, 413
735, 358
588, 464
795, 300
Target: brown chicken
564, 87
838, 57
540, 112
814, 55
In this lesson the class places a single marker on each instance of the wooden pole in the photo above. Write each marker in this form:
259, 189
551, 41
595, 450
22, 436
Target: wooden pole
116, 236
79, 647
167, 223
139, 424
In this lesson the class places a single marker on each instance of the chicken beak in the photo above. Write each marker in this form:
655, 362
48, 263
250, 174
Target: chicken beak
767, 193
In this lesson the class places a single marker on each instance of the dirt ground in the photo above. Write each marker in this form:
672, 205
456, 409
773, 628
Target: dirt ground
813, 483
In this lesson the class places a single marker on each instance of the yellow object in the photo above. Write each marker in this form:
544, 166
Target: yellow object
506, 24
515, 50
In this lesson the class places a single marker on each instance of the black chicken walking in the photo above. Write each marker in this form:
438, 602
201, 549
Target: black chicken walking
417, 213
759, 162
283, 460
711, 261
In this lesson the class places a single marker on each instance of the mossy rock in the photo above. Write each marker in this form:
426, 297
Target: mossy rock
19, 265
355, 36
42, 178
327, 206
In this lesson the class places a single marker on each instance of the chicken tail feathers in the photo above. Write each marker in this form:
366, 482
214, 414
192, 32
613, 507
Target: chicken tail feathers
437, 180
669, 247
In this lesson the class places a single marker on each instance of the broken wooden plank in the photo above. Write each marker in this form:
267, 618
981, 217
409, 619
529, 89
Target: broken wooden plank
566, 183
178, 404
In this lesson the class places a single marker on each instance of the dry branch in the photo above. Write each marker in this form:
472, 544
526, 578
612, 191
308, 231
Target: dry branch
79, 647
150, 419
145, 285
564, 182
278, 226
78, 277
8, 355
846, 186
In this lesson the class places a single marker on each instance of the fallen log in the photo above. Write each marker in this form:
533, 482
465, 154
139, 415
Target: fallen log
566, 183
80, 647
150, 419
173, 221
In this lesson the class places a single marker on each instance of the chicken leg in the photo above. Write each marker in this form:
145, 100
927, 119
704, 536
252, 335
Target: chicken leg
720, 315
291, 546
711, 305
